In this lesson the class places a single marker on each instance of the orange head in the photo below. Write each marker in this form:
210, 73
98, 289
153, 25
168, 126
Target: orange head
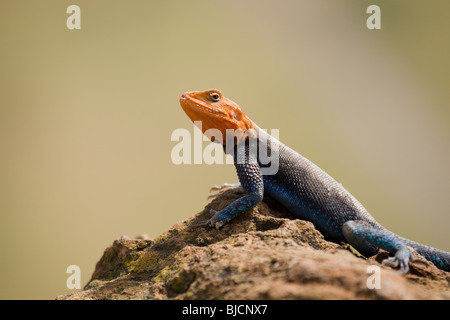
215, 112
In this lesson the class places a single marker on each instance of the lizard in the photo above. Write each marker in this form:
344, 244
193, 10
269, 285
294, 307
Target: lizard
307, 191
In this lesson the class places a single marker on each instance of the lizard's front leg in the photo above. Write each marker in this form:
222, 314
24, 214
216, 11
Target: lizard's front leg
251, 180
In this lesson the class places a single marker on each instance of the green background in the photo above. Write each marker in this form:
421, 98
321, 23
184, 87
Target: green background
86, 116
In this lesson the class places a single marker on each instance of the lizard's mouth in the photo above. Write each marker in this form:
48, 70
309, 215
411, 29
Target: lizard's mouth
189, 104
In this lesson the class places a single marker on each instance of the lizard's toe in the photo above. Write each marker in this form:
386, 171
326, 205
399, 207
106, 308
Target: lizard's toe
201, 224
400, 260
213, 222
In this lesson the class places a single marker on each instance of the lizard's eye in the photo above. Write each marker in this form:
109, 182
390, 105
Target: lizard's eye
215, 97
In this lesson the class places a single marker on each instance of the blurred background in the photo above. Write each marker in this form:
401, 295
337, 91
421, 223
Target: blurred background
86, 116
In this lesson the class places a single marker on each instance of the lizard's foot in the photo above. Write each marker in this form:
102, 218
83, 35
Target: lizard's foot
213, 222
216, 190
401, 260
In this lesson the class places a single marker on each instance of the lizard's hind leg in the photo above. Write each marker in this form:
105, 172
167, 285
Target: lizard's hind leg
365, 247
361, 234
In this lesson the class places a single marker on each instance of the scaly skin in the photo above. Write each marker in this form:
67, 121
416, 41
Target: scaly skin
302, 187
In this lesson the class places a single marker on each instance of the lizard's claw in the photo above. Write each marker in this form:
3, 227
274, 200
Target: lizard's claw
201, 224
400, 260
216, 190
403, 266
213, 222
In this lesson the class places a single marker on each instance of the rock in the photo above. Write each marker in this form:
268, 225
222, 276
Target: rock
263, 254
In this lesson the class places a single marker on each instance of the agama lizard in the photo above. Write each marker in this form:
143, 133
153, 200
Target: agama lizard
302, 187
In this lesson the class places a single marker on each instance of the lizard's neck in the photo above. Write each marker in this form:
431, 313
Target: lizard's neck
255, 134
262, 134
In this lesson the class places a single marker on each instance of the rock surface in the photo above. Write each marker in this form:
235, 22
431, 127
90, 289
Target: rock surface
264, 254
